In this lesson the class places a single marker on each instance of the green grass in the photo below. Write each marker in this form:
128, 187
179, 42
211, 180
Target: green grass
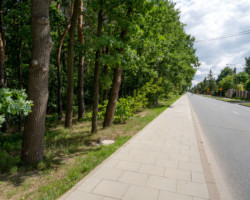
69, 156
246, 104
222, 98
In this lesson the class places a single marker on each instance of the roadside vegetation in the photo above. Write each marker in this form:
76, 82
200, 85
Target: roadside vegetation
229, 85
70, 154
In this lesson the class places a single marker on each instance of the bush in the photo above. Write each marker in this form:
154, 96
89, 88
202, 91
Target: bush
123, 110
127, 107
13, 102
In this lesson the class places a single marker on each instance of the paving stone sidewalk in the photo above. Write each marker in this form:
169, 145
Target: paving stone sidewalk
162, 162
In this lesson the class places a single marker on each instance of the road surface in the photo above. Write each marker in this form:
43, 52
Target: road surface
227, 127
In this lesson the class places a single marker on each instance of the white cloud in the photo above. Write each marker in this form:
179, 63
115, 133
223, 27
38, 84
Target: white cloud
206, 19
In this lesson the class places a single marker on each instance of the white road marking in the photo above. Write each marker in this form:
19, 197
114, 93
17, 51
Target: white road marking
235, 113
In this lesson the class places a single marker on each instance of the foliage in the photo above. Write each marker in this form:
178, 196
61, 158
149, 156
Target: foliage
211, 82
13, 102
242, 77
224, 72
247, 65
247, 85
124, 110
227, 82
240, 87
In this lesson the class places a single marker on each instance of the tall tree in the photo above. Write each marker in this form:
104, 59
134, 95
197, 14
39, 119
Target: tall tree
110, 110
33, 138
58, 64
81, 109
59, 78
70, 65
97, 69
224, 72
2, 49
211, 81
247, 65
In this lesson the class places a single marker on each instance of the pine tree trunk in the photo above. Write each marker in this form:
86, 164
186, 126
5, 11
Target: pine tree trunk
81, 110
59, 79
70, 63
110, 110
33, 138
96, 73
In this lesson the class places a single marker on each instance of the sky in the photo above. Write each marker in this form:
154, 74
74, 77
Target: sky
208, 19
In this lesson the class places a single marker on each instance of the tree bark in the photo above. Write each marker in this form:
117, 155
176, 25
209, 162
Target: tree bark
2, 59
20, 80
105, 73
70, 63
157, 93
59, 80
81, 109
2, 49
110, 110
96, 73
33, 138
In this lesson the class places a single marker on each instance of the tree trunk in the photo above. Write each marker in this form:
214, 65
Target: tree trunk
157, 93
20, 80
81, 110
105, 73
96, 73
70, 63
33, 138
105, 91
2, 49
2, 59
110, 110
59, 79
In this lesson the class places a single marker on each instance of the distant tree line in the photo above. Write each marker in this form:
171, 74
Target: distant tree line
227, 79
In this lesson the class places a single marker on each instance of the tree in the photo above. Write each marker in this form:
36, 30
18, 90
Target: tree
227, 82
2, 49
33, 138
242, 77
224, 72
205, 85
97, 69
211, 81
247, 65
81, 109
70, 65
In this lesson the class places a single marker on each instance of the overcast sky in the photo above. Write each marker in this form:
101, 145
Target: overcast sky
206, 19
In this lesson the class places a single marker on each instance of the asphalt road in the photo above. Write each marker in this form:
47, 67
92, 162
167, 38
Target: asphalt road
227, 127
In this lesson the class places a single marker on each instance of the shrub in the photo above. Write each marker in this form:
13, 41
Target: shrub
123, 110
13, 102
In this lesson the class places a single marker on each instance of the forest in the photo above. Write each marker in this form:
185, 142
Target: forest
70, 62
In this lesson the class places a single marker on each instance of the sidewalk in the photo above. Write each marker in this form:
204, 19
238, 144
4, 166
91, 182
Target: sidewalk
162, 162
